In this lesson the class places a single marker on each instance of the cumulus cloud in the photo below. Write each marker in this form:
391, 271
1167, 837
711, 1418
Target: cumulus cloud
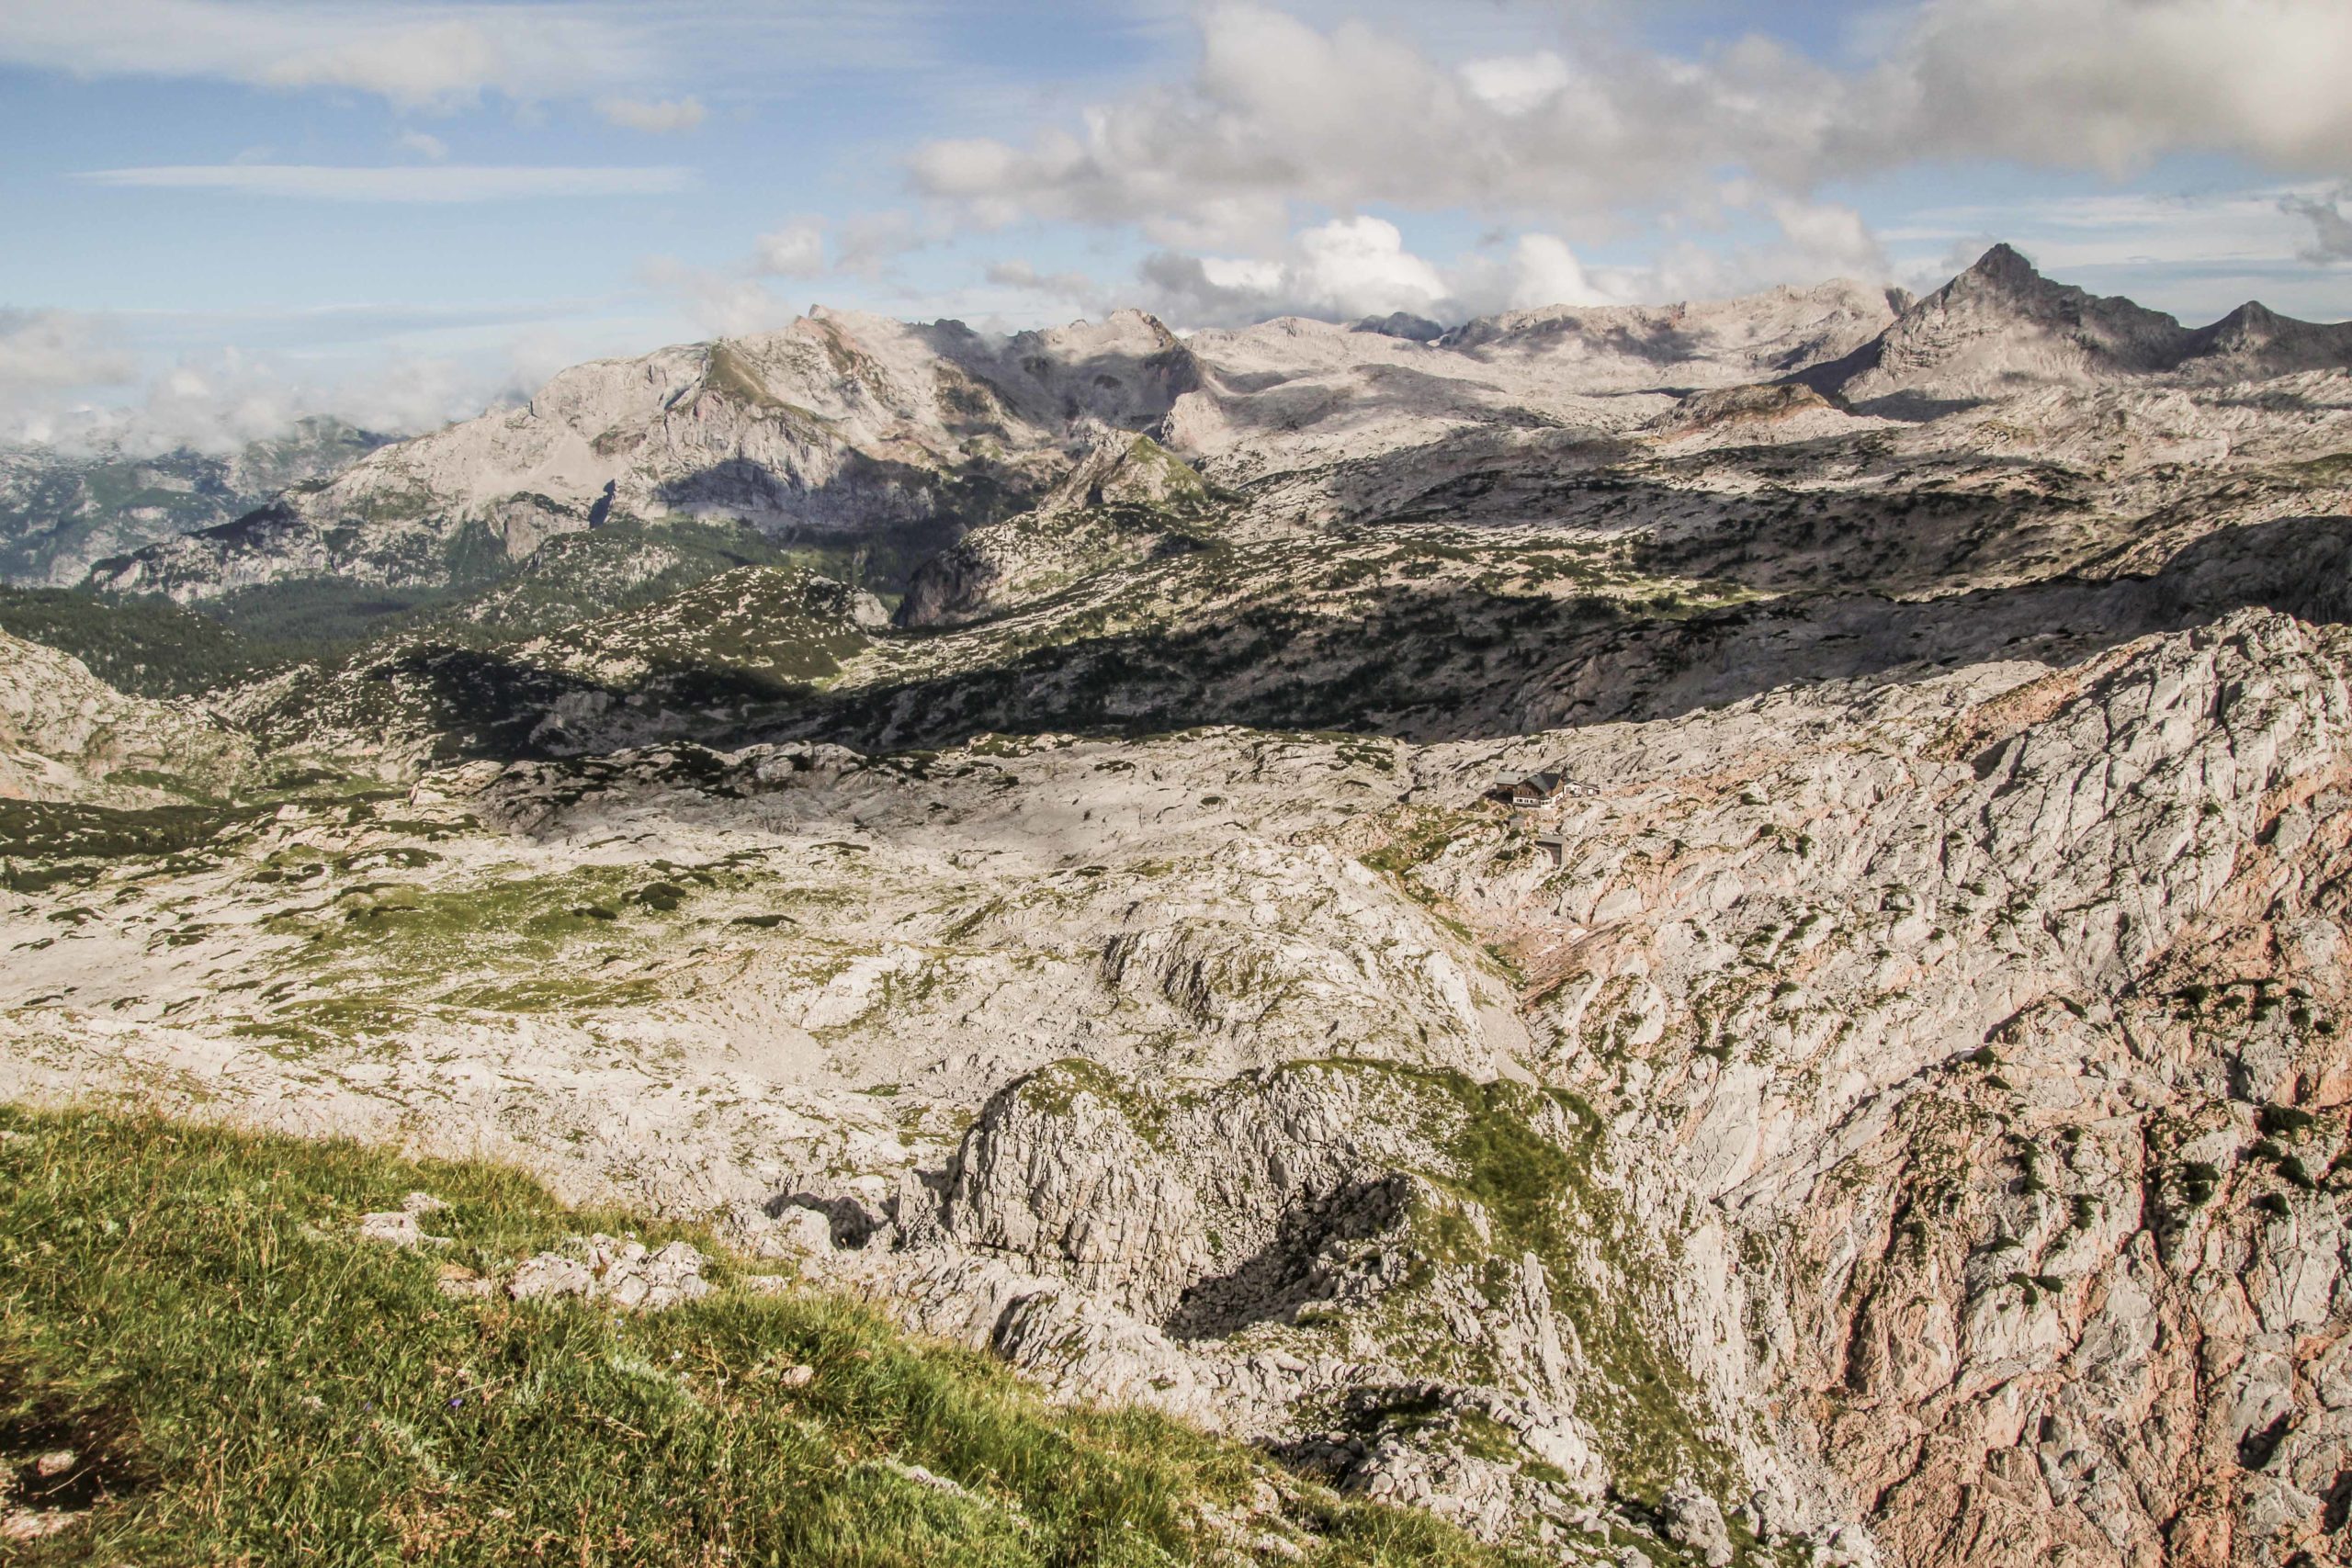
1545, 272
2330, 230
2111, 85
1354, 267
796, 250
866, 243
1351, 267
434, 56
422, 143
1281, 114
42, 351
407, 182
1361, 266
656, 117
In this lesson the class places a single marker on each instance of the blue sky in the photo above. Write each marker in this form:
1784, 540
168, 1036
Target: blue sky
230, 211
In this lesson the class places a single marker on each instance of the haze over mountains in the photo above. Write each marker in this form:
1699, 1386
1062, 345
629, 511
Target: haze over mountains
1008, 824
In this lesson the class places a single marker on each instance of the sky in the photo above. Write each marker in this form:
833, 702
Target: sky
229, 213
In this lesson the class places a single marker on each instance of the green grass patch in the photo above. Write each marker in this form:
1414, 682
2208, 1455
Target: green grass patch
243, 1381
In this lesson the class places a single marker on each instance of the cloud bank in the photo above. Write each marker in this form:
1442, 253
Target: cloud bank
1280, 115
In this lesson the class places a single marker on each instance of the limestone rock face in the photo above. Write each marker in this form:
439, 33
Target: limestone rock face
1127, 500
839, 424
67, 736
627, 1274
2000, 325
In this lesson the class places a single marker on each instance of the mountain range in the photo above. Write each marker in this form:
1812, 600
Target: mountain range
1709, 934
895, 437
64, 508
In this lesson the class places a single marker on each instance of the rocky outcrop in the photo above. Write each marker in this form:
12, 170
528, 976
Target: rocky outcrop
625, 1275
1125, 502
67, 736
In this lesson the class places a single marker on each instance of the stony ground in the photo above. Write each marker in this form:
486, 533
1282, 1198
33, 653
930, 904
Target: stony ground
1889, 1108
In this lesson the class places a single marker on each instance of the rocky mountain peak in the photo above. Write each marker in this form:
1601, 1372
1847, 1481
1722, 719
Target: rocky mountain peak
2003, 267
2001, 326
1402, 325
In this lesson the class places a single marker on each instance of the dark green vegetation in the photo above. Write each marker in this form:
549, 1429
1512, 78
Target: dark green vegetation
618, 566
243, 1381
48, 845
493, 598
150, 647
747, 642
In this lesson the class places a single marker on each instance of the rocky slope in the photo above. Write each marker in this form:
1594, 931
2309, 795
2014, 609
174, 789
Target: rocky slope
838, 424
67, 736
1890, 1106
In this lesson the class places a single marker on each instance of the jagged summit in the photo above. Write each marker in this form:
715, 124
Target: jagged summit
2004, 266
2001, 326
2254, 342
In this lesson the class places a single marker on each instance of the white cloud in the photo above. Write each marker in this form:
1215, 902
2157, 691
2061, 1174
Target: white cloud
45, 350
719, 301
2331, 238
1354, 268
1348, 267
1075, 289
1545, 272
796, 250
2112, 84
1515, 84
732, 299
422, 143
656, 117
1281, 116
216, 400
866, 243
443, 182
426, 56
1361, 266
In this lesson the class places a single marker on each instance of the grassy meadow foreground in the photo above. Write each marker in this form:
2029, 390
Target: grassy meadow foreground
238, 1377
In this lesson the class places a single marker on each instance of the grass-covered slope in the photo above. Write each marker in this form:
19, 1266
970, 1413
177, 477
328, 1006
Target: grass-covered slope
201, 1362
